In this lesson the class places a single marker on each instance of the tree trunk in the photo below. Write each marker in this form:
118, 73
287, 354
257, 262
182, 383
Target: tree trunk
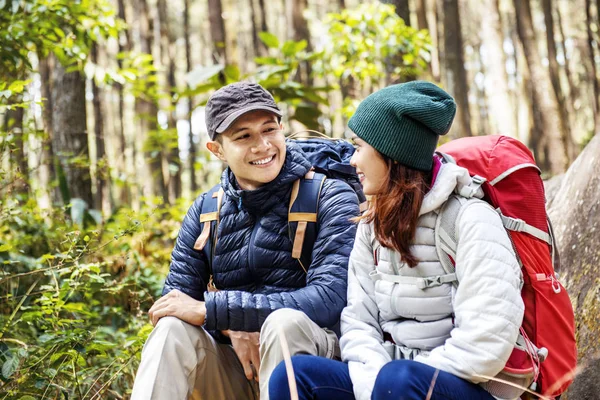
172, 163
147, 111
573, 91
263, 25
456, 76
217, 31
501, 111
102, 200
421, 11
402, 9
555, 79
263, 16
432, 23
13, 124
46, 171
301, 32
70, 139
188, 67
546, 106
258, 47
592, 61
125, 191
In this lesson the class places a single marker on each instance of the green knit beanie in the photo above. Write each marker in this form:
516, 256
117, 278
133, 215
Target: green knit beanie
405, 121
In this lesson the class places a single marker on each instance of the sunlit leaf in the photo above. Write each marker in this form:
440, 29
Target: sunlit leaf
202, 74
269, 39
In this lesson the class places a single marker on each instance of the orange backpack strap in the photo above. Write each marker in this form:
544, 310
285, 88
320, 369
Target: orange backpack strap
209, 219
303, 209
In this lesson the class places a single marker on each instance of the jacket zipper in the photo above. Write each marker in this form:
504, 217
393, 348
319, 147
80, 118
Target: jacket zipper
251, 244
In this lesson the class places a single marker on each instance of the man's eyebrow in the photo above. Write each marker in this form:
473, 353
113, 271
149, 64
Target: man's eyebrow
269, 121
243, 128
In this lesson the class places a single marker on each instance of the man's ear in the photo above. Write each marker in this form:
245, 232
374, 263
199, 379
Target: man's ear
217, 149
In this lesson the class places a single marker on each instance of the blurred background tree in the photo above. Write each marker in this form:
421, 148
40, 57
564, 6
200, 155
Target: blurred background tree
102, 135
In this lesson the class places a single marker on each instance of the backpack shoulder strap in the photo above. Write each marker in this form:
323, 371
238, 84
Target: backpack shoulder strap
446, 236
209, 219
304, 204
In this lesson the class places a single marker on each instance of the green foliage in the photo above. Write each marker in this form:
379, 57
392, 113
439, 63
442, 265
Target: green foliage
371, 45
372, 41
276, 73
139, 75
73, 300
66, 28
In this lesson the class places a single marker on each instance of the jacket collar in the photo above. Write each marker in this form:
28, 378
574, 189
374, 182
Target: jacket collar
262, 200
448, 178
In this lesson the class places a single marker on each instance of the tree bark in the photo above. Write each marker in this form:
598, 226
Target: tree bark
188, 67
263, 25
432, 23
147, 111
421, 11
46, 171
124, 46
172, 163
102, 200
13, 124
217, 31
402, 9
70, 134
555, 79
573, 90
456, 76
592, 61
259, 48
550, 148
501, 111
301, 32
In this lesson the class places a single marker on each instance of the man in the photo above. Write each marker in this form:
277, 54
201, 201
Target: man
259, 289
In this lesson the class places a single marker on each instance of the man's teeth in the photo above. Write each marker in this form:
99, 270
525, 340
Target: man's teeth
263, 161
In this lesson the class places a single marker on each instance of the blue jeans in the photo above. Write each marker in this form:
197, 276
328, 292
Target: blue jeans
319, 378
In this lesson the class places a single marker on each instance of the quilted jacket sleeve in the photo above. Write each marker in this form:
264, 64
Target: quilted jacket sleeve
324, 295
488, 305
189, 270
362, 336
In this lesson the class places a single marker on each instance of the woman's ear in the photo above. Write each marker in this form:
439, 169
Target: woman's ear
217, 149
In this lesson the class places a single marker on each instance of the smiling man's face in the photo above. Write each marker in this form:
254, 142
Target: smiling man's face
253, 147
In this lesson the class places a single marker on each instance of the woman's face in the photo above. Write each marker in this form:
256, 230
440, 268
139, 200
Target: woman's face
372, 169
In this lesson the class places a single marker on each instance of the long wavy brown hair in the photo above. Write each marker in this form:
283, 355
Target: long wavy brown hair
394, 211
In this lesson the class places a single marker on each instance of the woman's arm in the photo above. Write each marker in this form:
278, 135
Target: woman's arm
362, 338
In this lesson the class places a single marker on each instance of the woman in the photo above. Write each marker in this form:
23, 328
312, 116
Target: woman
404, 337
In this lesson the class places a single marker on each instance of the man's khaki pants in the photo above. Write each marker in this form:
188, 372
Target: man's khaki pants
182, 361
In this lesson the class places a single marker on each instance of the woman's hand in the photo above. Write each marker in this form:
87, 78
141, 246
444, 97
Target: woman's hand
179, 305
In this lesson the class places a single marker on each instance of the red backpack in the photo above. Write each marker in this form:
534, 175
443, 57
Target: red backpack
545, 355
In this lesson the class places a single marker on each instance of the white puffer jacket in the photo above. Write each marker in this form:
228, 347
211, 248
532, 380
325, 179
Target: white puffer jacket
487, 305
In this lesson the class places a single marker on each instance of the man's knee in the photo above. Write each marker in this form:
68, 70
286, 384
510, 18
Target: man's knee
290, 322
172, 328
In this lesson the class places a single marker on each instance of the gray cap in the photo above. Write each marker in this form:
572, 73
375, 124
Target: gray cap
232, 101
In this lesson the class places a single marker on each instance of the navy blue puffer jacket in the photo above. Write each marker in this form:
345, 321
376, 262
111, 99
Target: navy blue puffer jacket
252, 265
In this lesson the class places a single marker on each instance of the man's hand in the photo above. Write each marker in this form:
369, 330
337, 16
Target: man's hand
246, 346
180, 305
